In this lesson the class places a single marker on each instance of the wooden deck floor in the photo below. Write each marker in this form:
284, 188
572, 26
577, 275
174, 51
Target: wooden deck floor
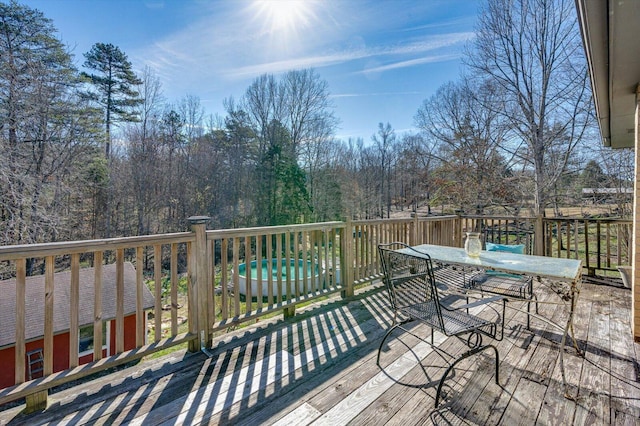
320, 367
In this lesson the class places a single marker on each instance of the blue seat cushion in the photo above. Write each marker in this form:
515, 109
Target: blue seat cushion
509, 248
492, 273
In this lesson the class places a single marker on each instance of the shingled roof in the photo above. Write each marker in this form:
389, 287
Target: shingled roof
34, 301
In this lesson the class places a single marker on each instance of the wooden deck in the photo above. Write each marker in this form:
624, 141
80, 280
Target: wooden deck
320, 367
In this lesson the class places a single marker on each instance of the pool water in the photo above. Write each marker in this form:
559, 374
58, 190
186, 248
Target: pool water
289, 270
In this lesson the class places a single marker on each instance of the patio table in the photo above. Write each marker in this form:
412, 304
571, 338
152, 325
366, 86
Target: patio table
555, 269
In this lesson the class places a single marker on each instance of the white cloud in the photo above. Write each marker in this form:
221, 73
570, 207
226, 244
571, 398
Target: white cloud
411, 63
356, 95
415, 48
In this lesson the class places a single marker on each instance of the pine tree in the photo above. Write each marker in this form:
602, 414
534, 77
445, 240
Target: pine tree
114, 83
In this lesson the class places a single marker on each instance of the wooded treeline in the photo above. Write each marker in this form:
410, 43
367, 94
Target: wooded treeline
102, 153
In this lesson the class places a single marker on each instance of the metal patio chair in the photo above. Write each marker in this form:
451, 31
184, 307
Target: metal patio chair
415, 295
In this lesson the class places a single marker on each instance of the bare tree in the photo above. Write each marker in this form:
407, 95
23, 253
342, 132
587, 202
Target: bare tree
318, 157
616, 172
285, 115
469, 137
414, 171
349, 166
146, 168
531, 49
384, 142
192, 113
308, 108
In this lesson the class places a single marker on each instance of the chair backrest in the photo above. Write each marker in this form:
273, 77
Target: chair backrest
409, 278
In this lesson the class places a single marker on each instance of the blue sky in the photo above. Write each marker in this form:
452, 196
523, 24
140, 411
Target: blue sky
381, 59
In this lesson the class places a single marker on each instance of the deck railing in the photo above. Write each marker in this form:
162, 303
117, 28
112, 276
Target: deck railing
301, 263
72, 256
602, 244
327, 257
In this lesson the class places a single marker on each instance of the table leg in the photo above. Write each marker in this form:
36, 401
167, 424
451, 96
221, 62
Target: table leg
569, 329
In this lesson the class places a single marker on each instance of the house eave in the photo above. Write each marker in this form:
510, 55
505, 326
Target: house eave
609, 35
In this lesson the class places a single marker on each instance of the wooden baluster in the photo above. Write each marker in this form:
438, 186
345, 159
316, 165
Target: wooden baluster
334, 263
312, 257
192, 298
269, 269
248, 296
120, 300
291, 293
224, 279
141, 319
576, 238
236, 277
21, 272
259, 270
280, 290
74, 301
210, 282
305, 263
97, 306
608, 245
297, 262
157, 276
174, 289
321, 259
48, 314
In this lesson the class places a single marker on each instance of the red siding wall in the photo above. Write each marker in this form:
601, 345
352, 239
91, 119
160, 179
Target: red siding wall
61, 351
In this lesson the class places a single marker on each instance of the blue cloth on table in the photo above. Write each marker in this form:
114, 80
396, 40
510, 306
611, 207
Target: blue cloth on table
508, 248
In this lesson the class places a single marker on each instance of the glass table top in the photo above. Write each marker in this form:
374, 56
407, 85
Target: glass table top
550, 267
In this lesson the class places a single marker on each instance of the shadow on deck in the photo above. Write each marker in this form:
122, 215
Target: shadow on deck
320, 366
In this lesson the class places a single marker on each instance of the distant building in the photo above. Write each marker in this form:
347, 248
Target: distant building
607, 195
34, 317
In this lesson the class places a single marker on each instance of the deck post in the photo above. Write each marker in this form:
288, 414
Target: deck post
199, 282
538, 236
457, 229
635, 248
289, 311
346, 259
36, 401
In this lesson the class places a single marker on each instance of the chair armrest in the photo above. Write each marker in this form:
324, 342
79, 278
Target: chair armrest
479, 302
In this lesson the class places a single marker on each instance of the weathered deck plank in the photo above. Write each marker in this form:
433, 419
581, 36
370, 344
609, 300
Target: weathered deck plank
531, 377
360, 343
555, 405
625, 380
593, 405
520, 363
481, 393
281, 373
320, 367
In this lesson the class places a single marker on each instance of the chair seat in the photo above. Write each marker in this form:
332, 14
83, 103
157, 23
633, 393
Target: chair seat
509, 285
455, 322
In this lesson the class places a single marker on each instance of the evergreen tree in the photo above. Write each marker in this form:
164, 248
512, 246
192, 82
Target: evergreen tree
45, 131
114, 83
593, 176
